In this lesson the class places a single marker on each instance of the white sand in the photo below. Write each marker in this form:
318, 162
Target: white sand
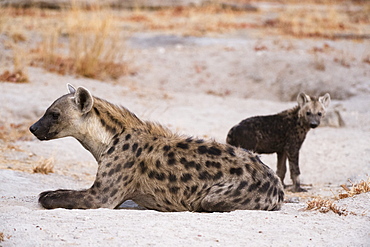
199, 87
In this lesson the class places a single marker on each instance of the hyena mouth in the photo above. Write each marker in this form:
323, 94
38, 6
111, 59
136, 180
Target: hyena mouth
42, 136
48, 136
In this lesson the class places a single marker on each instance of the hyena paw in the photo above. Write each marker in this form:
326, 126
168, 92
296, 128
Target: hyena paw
298, 189
51, 199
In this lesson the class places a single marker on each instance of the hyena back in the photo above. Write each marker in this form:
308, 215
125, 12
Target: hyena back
148, 164
282, 133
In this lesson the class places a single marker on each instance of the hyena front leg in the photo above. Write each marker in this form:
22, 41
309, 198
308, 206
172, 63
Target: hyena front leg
101, 195
70, 199
295, 172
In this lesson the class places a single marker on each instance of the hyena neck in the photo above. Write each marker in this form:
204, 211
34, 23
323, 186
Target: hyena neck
291, 115
107, 121
295, 118
102, 124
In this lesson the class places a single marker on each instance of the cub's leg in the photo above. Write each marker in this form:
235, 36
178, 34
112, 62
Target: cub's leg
295, 172
281, 166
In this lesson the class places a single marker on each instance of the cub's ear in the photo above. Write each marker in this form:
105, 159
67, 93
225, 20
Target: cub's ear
83, 100
303, 99
325, 100
70, 88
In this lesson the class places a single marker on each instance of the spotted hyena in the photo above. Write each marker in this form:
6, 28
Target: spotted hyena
157, 169
282, 133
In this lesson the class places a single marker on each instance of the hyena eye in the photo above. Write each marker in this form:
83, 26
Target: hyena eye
308, 113
319, 113
55, 115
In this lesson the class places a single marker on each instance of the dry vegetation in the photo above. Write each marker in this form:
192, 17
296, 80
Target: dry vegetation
326, 21
3, 237
74, 41
90, 42
189, 21
361, 187
326, 205
10, 132
44, 166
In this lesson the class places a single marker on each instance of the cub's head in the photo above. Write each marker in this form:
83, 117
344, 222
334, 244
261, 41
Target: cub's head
312, 109
65, 117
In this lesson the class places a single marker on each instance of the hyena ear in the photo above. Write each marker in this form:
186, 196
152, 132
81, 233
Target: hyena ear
83, 100
70, 88
303, 99
325, 100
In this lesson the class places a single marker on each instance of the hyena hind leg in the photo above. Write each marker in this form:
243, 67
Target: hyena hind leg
225, 197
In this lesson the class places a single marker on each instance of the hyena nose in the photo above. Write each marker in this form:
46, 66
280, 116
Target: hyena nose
314, 125
33, 128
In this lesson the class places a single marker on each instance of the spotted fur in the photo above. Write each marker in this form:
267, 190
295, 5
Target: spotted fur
147, 163
282, 133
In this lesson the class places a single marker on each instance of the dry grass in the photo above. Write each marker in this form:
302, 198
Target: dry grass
324, 206
361, 187
322, 20
44, 166
10, 132
74, 41
18, 76
86, 43
3, 237
90, 42
18, 73
188, 21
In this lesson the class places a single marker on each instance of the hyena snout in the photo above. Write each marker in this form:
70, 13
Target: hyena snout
41, 132
33, 128
314, 124
314, 121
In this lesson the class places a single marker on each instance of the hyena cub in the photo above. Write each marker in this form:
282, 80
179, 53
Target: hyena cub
282, 133
148, 164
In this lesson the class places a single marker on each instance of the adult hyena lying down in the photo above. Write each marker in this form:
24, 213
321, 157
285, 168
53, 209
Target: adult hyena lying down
148, 164
282, 133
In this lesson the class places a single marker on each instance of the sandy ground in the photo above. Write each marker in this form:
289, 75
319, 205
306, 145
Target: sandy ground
199, 87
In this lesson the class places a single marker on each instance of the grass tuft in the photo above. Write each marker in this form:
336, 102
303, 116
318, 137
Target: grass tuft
87, 43
44, 166
16, 76
361, 187
325, 205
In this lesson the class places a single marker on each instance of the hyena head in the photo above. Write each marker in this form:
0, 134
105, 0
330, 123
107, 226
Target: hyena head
312, 109
65, 116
